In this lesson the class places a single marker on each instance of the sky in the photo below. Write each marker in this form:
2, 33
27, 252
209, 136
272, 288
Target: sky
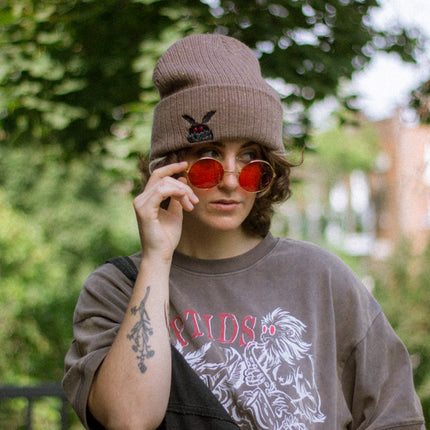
386, 82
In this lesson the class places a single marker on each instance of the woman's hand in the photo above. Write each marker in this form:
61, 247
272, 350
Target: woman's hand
160, 229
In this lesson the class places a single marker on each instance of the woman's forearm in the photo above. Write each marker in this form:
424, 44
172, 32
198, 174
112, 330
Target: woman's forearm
131, 388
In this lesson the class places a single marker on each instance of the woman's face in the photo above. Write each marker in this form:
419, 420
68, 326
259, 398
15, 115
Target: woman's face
225, 206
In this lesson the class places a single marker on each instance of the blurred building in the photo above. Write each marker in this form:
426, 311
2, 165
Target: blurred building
362, 213
401, 185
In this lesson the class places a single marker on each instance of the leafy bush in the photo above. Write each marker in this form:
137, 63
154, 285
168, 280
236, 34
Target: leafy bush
59, 221
402, 288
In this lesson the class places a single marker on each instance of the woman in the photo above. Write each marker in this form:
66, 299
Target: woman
283, 333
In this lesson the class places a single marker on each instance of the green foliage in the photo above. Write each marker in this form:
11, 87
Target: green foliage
349, 145
59, 221
402, 289
45, 414
69, 66
27, 263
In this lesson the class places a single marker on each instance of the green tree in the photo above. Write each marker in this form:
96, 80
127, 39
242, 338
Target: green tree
351, 144
59, 220
30, 272
65, 220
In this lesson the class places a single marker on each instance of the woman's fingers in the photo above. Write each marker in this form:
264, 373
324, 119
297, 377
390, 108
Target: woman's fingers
168, 170
153, 196
162, 186
189, 199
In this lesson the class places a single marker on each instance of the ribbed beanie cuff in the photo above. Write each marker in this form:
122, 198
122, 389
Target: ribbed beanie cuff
211, 89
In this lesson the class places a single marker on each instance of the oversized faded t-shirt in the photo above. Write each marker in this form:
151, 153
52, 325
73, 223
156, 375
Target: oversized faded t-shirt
285, 336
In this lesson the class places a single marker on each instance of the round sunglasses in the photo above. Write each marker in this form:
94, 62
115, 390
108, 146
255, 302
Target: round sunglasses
254, 177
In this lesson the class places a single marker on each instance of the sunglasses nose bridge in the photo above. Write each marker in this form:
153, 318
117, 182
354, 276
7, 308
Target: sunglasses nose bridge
227, 178
235, 172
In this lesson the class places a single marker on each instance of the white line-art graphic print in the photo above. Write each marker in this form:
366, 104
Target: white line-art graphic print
270, 385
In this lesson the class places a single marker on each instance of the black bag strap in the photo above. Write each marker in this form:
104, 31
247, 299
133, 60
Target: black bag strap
126, 265
192, 405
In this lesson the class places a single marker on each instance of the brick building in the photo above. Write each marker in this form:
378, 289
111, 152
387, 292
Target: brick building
401, 185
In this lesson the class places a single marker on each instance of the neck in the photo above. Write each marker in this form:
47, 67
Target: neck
215, 245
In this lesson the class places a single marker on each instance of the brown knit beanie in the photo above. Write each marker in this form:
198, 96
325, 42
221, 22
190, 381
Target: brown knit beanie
211, 89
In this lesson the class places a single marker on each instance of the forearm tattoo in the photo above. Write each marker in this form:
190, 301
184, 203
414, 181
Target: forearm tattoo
140, 333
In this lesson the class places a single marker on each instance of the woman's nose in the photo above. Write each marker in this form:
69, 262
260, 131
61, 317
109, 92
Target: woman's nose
231, 174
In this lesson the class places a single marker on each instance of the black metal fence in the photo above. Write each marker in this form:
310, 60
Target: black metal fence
31, 393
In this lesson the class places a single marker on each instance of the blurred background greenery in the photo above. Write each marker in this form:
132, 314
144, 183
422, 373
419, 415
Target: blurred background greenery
76, 102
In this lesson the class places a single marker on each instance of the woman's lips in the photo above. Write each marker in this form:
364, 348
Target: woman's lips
225, 204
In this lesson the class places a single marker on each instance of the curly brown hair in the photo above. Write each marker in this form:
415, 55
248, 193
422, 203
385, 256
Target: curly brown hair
259, 219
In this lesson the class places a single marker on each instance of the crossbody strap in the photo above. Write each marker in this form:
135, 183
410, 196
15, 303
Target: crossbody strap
126, 265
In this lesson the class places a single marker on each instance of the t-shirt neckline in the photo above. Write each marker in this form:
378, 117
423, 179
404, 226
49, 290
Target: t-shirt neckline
225, 265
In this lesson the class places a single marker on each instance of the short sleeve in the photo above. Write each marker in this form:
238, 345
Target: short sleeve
378, 383
98, 315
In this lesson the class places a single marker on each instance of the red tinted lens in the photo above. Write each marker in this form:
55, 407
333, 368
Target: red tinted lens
256, 176
205, 173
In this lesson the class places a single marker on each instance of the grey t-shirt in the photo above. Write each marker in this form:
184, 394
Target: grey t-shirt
285, 336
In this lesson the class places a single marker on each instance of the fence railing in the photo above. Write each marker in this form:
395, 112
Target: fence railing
32, 393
